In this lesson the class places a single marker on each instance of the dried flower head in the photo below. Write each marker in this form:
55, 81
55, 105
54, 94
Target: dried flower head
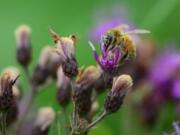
23, 42
44, 118
64, 87
65, 47
120, 88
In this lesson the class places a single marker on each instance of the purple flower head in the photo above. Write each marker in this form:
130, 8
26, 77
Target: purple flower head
165, 73
110, 59
176, 88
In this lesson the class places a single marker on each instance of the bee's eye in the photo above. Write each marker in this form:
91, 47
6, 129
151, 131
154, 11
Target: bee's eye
107, 38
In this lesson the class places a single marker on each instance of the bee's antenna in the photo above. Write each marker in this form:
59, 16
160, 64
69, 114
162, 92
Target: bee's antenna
92, 46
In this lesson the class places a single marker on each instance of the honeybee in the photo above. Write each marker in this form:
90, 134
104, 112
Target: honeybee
117, 37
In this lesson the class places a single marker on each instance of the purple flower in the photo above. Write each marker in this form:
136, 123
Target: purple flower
110, 59
165, 73
176, 88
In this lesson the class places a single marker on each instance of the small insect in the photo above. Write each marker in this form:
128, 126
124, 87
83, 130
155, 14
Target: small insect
119, 37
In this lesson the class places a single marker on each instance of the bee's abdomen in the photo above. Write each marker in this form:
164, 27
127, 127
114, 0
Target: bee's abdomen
128, 48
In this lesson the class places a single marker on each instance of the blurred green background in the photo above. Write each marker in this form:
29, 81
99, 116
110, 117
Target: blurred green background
161, 17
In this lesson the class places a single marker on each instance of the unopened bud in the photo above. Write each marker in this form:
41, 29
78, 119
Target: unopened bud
88, 76
12, 114
54, 64
6, 92
120, 88
103, 82
23, 42
16, 92
14, 72
64, 87
83, 90
41, 71
45, 117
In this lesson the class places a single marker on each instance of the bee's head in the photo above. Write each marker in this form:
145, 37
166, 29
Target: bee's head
107, 39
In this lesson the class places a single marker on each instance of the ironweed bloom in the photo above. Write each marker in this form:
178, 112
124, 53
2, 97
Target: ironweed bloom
83, 89
65, 47
64, 88
120, 88
110, 60
23, 43
44, 119
168, 83
163, 77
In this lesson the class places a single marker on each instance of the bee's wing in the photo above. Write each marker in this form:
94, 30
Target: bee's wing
123, 27
138, 31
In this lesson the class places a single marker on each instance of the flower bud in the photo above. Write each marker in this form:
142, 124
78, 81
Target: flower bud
12, 114
14, 72
65, 48
83, 89
103, 82
41, 71
54, 64
16, 92
6, 93
64, 87
88, 76
45, 117
120, 88
23, 42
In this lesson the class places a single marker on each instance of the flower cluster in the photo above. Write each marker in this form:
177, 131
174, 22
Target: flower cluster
78, 85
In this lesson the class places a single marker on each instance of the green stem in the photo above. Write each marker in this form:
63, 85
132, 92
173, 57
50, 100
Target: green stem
75, 116
96, 121
65, 121
4, 123
29, 100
